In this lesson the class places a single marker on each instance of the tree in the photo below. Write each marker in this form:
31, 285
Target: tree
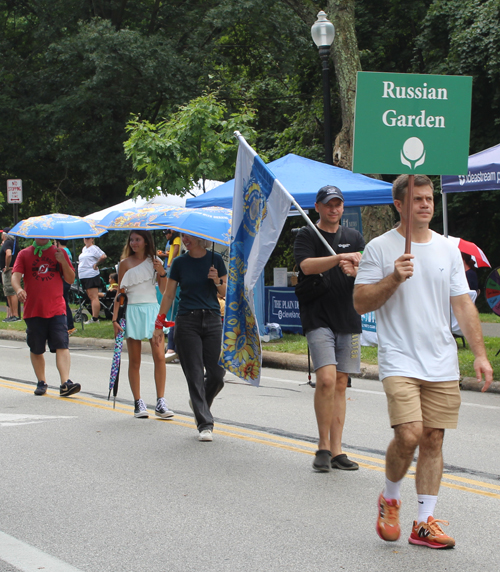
73, 73
195, 143
63, 112
347, 62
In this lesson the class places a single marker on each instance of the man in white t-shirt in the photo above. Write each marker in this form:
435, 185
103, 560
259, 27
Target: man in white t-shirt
418, 363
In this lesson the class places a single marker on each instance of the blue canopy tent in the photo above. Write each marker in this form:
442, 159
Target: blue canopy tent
483, 174
303, 178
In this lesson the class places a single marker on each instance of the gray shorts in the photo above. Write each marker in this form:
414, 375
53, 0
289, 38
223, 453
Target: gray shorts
329, 348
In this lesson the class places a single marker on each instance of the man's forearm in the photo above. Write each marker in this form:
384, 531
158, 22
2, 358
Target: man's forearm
322, 264
319, 265
370, 297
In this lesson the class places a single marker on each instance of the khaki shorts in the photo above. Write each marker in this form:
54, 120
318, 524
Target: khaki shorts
436, 403
7, 283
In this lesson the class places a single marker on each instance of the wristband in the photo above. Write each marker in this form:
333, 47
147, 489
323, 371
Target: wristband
162, 275
160, 320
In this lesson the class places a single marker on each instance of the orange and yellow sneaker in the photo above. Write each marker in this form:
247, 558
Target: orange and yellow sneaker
388, 519
430, 534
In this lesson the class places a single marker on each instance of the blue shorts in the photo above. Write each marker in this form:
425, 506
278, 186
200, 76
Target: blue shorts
140, 323
53, 330
340, 350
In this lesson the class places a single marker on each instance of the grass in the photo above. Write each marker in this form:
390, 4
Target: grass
489, 318
295, 343
104, 329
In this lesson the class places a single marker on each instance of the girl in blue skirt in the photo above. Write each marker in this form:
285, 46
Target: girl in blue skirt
138, 272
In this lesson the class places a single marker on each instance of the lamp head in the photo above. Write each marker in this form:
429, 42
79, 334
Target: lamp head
323, 31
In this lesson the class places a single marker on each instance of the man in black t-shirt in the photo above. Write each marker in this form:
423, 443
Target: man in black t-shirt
8, 255
330, 323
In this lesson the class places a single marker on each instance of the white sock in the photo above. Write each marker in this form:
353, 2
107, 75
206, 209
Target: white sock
426, 506
391, 490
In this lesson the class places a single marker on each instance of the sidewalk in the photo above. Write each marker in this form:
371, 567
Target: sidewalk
276, 360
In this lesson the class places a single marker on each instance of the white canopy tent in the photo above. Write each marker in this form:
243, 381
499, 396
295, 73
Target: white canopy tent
160, 199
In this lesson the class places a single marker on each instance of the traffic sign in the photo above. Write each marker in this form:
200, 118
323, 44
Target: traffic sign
14, 191
412, 123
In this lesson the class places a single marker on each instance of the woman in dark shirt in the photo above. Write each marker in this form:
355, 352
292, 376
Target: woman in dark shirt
198, 330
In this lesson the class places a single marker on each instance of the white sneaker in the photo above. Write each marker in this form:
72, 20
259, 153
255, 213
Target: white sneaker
205, 435
170, 357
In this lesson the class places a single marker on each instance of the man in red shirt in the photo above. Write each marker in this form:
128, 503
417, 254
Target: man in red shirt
43, 267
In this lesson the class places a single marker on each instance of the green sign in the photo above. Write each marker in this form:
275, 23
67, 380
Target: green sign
413, 124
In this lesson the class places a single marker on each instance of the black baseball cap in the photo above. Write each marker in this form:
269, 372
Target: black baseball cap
327, 193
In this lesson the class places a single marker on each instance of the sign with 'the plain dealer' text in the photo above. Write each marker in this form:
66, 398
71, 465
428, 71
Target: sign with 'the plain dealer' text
411, 123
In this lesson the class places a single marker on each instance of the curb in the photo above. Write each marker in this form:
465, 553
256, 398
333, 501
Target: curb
299, 363
278, 360
75, 342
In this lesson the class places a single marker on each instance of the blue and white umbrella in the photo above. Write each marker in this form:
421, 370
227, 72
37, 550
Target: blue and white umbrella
57, 226
138, 218
211, 223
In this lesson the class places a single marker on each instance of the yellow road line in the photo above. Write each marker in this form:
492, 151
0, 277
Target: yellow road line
254, 436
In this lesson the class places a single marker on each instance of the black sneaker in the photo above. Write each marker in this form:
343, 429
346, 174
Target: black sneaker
69, 388
321, 462
41, 388
140, 409
162, 410
344, 463
15, 319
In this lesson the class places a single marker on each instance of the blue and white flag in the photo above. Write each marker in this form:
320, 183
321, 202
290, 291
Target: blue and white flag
260, 207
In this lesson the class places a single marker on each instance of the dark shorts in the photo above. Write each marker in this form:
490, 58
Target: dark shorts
94, 282
42, 330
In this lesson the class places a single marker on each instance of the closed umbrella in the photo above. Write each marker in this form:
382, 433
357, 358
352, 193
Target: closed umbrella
117, 355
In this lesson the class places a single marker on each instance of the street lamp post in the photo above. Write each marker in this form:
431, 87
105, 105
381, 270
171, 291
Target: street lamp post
323, 33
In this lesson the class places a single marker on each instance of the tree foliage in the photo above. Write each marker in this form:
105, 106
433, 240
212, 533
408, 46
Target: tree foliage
74, 72
195, 143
